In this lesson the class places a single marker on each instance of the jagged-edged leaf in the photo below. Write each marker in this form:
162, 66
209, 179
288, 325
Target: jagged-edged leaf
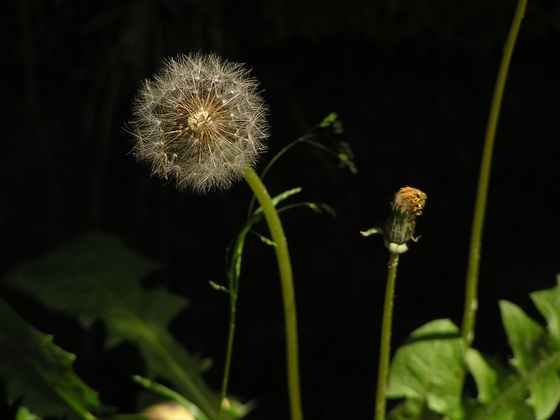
501, 396
428, 368
546, 393
486, 378
535, 358
525, 336
530, 388
34, 368
97, 277
548, 303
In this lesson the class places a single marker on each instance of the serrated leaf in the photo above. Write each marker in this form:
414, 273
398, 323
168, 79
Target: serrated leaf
545, 395
428, 368
34, 368
525, 336
97, 277
500, 393
535, 358
548, 303
486, 378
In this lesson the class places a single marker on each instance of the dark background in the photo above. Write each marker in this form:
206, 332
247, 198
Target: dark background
412, 82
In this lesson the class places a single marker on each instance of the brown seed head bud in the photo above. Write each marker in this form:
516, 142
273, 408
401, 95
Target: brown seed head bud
401, 223
409, 200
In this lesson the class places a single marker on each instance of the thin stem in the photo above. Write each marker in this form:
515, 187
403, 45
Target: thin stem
385, 346
286, 279
227, 368
471, 302
233, 293
229, 352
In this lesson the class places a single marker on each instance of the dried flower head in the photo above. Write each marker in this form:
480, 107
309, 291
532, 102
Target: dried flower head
399, 228
409, 200
200, 121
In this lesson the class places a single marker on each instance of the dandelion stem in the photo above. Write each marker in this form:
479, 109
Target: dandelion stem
471, 302
286, 279
385, 346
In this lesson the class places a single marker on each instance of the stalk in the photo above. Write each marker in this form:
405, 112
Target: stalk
385, 346
471, 300
286, 279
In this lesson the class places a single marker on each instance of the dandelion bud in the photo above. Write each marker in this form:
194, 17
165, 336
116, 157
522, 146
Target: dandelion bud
399, 228
200, 122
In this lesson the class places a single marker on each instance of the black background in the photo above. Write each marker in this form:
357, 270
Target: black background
412, 82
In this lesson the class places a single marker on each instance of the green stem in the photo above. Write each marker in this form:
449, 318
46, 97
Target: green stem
385, 347
233, 276
286, 279
227, 368
229, 351
471, 302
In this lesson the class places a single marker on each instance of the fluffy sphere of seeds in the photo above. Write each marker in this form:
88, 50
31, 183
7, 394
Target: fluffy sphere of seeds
200, 122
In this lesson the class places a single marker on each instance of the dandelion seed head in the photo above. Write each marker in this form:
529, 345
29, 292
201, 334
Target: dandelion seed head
200, 122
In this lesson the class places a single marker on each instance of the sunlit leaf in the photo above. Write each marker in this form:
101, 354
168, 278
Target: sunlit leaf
534, 358
428, 368
486, 378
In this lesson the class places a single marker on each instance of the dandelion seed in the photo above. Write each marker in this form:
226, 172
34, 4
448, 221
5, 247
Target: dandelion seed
200, 122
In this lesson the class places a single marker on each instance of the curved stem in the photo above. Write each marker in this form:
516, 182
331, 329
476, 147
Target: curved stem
286, 279
471, 302
385, 346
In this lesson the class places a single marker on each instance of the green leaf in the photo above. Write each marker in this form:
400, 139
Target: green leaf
428, 368
97, 277
486, 377
525, 336
412, 409
548, 303
24, 414
281, 197
546, 392
329, 120
530, 391
332, 121
533, 357
500, 393
34, 368
527, 389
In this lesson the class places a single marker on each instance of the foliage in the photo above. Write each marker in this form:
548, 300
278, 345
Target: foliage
96, 277
426, 370
40, 371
